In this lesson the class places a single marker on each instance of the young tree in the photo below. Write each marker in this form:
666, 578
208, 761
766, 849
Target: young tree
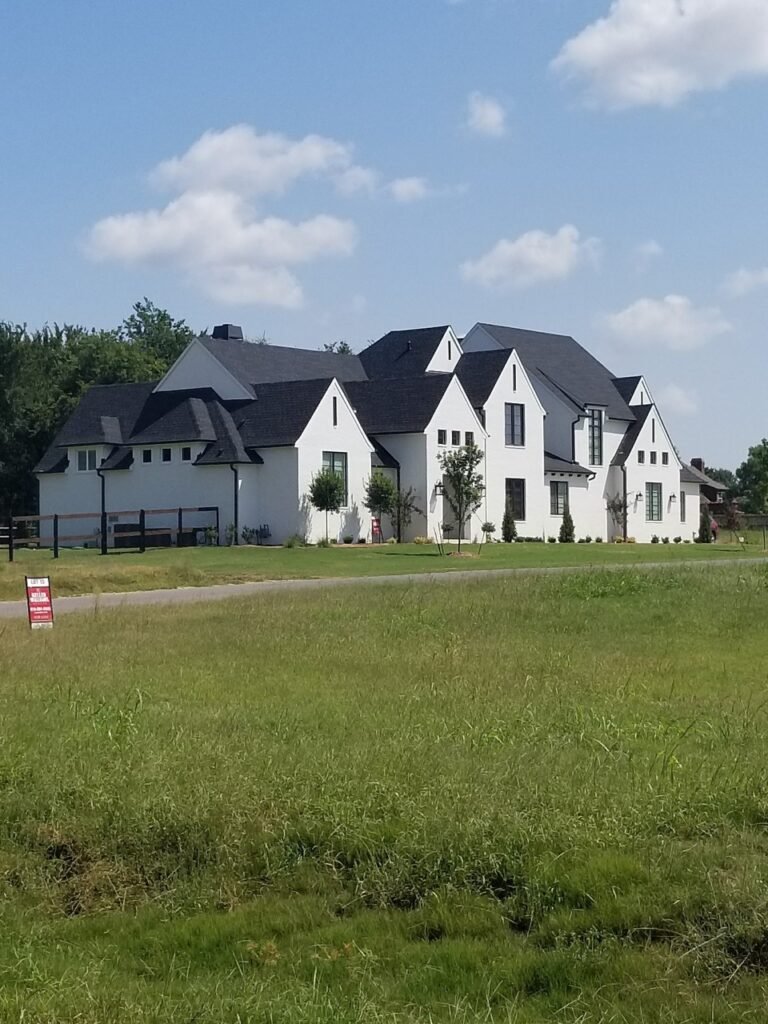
508, 527
567, 531
752, 476
705, 528
379, 495
403, 508
463, 484
326, 492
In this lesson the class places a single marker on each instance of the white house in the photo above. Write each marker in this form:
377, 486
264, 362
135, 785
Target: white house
243, 427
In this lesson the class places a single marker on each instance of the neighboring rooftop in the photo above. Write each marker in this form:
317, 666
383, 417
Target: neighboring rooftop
402, 405
402, 353
253, 363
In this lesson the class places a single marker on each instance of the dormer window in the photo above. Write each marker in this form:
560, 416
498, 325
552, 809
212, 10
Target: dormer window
86, 461
166, 454
146, 455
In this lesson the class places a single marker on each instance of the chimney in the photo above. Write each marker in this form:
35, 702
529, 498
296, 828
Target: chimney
698, 464
228, 332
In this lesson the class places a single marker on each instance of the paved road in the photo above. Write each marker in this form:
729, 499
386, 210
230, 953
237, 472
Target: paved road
220, 591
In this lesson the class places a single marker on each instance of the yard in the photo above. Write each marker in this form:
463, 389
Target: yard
527, 799
85, 571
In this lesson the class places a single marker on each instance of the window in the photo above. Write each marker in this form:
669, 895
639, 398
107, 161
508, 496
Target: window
641, 457
455, 437
595, 437
653, 503
653, 430
653, 458
514, 424
335, 411
682, 506
642, 398
186, 454
442, 437
166, 454
665, 458
450, 350
469, 437
86, 461
146, 455
337, 463
558, 497
515, 497
514, 376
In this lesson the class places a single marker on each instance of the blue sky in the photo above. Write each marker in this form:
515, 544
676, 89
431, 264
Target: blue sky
324, 171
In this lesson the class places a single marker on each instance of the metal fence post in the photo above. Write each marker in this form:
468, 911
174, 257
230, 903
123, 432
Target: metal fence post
218, 525
180, 528
56, 536
142, 531
10, 538
103, 533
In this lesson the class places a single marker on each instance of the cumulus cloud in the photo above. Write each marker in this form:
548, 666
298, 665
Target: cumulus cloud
676, 400
658, 52
213, 229
486, 116
672, 322
531, 259
742, 282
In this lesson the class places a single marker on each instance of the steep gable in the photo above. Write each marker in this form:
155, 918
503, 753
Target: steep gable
403, 353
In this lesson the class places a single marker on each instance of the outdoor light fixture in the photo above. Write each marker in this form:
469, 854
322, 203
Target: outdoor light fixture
673, 497
639, 496
439, 489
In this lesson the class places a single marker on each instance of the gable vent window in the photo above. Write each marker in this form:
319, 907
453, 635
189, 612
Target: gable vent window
514, 376
86, 461
456, 437
595, 437
665, 458
442, 437
335, 411
146, 455
166, 454
653, 430
186, 454
450, 350
641, 457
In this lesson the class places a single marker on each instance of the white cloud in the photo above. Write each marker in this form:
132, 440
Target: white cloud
672, 322
531, 259
485, 115
408, 190
742, 282
657, 52
645, 253
676, 400
357, 179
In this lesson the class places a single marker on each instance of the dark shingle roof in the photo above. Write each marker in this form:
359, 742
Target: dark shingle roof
280, 413
253, 364
403, 405
119, 458
402, 353
169, 416
627, 443
381, 458
561, 361
554, 464
691, 475
479, 371
626, 386
106, 414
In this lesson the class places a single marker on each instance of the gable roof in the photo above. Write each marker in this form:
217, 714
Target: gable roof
691, 475
627, 442
280, 412
252, 364
106, 414
560, 360
554, 464
401, 405
169, 416
479, 371
626, 386
402, 353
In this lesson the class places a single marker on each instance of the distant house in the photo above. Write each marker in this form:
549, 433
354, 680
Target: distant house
244, 427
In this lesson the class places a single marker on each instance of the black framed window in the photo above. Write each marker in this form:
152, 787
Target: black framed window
514, 376
558, 497
335, 411
146, 455
682, 506
515, 498
595, 437
665, 458
456, 437
641, 457
653, 503
442, 437
86, 461
186, 454
166, 454
337, 463
514, 424
469, 437
653, 458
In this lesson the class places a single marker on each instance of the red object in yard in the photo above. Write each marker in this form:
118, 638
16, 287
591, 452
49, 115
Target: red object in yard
375, 528
39, 602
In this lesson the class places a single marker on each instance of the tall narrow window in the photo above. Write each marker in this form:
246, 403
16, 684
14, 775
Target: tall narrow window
514, 376
456, 437
653, 458
337, 463
514, 424
450, 350
442, 437
515, 498
335, 411
469, 437
665, 458
653, 430
682, 506
595, 437
653, 503
558, 497
640, 457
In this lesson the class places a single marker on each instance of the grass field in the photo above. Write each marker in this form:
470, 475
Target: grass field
521, 800
85, 571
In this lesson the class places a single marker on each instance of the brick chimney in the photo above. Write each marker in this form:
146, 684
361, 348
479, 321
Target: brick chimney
698, 464
228, 332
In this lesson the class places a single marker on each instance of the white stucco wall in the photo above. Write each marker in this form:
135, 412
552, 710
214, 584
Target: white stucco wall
637, 474
581, 501
410, 450
197, 368
447, 354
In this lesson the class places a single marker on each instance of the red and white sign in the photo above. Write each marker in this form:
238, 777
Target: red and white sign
375, 528
39, 602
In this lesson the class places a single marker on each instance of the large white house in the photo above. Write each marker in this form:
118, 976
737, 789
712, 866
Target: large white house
243, 428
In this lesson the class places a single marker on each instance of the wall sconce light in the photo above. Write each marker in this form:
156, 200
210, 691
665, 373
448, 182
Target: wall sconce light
639, 496
439, 488
672, 497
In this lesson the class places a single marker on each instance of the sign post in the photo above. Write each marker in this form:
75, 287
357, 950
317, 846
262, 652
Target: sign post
39, 602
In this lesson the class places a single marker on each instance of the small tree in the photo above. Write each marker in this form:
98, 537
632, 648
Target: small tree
464, 485
402, 511
379, 495
567, 531
508, 527
326, 492
705, 528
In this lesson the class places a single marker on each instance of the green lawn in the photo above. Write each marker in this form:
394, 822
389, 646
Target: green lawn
523, 800
85, 571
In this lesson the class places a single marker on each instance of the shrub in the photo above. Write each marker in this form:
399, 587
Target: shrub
348, 538
323, 543
598, 540
705, 528
294, 541
488, 529
361, 540
508, 527
631, 540
665, 540
588, 539
551, 540
391, 540
249, 534
567, 531
655, 539
678, 540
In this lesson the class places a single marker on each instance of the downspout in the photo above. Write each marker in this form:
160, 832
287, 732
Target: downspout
573, 438
103, 524
236, 502
399, 528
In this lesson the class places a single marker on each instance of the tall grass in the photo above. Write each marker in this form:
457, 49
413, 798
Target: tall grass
514, 800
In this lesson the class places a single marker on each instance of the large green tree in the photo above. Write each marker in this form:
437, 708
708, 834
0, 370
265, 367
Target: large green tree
752, 477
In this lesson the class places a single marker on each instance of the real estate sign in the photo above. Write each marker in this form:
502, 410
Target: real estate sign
39, 602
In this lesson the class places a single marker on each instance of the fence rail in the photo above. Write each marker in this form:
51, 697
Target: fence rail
24, 531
